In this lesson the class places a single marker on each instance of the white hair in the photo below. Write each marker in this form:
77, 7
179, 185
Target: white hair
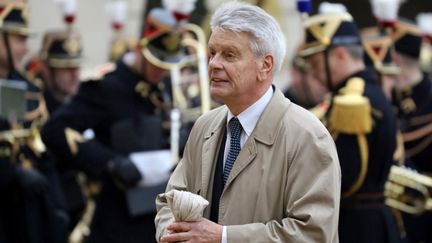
267, 36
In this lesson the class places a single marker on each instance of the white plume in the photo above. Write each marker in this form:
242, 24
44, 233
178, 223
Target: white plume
181, 6
424, 22
212, 5
117, 10
68, 7
331, 8
386, 9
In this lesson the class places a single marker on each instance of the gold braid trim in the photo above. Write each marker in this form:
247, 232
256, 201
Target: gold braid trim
419, 133
364, 153
420, 147
399, 153
418, 120
41, 111
400, 223
73, 137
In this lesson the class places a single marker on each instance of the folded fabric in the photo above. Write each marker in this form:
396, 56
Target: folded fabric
186, 206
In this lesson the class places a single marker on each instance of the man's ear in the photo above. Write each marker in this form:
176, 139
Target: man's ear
266, 67
395, 57
340, 52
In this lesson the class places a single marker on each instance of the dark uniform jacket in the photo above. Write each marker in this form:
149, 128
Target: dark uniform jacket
414, 106
75, 198
32, 205
363, 215
114, 108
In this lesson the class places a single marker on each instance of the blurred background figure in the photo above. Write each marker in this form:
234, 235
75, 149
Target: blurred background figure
32, 205
127, 110
304, 89
412, 97
120, 44
424, 21
361, 121
61, 55
58, 68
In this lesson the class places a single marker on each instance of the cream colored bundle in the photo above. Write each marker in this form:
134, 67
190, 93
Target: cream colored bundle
186, 206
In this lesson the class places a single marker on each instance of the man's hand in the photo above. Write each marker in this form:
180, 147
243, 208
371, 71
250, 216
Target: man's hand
124, 172
200, 231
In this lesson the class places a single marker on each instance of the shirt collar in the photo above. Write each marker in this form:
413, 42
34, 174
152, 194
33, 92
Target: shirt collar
249, 117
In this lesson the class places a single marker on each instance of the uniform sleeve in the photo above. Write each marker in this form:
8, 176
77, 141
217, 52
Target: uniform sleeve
62, 134
312, 196
349, 157
7, 176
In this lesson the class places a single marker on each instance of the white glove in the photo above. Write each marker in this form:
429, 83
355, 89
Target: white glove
154, 166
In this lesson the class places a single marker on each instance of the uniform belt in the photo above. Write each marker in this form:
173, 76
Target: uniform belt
364, 200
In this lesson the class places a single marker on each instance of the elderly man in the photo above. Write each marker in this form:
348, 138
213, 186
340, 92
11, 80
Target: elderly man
268, 167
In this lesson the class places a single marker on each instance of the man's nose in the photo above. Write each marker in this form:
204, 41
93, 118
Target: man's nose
214, 62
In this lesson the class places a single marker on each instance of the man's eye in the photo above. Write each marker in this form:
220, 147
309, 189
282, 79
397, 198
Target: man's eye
229, 55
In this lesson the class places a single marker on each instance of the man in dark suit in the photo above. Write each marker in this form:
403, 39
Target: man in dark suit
125, 110
362, 123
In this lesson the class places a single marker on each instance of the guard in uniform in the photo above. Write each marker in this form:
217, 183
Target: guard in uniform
362, 123
61, 57
412, 96
32, 205
125, 109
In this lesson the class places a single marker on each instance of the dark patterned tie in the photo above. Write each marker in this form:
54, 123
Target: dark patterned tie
236, 130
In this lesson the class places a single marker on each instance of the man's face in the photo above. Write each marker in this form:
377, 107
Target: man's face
317, 67
153, 74
18, 49
388, 83
65, 81
233, 68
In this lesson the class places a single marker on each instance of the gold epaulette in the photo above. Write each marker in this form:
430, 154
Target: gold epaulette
351, 112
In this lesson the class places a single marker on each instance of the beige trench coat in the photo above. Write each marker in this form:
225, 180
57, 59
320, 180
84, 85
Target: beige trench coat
285, 183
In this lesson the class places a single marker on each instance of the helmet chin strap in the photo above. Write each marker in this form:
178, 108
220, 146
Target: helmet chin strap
143, 65
327, 70
11, 66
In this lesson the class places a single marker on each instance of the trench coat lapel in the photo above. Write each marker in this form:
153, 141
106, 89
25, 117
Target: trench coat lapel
210, 150
265, 132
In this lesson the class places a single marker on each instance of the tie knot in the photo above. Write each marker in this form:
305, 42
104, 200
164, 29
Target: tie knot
235, 127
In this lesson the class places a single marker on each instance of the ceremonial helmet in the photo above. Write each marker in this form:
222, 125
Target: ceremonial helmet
14, 17
329, 29
378, 51
63, 48
161, 43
